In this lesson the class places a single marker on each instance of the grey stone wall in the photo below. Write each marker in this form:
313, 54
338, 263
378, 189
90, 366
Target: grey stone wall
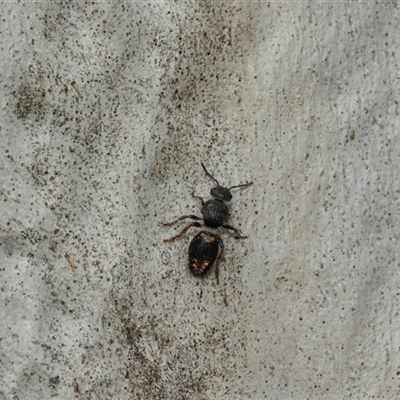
300, 97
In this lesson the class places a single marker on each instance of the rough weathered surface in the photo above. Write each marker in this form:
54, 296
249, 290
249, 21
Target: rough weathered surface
301, 97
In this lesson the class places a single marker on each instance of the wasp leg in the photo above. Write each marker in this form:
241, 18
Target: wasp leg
181, 219
183, 232
225, 298
198, 197
217, 274
221, 253
237, 234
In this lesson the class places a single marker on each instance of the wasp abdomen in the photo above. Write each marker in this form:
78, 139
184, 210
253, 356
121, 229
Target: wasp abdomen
204, 249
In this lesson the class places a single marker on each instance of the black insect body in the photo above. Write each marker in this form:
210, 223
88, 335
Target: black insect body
215, 212
205, 249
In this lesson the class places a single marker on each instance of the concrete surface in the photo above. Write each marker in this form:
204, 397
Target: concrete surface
301, 97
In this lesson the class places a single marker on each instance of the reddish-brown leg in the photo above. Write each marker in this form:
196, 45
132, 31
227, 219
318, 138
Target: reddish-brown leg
237, 233
198, 197
182, 232
217, 261
181, 219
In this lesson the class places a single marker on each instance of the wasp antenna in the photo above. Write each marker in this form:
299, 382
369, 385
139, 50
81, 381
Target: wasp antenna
243, 185
209, 174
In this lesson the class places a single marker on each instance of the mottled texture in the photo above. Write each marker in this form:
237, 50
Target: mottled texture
300, 97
